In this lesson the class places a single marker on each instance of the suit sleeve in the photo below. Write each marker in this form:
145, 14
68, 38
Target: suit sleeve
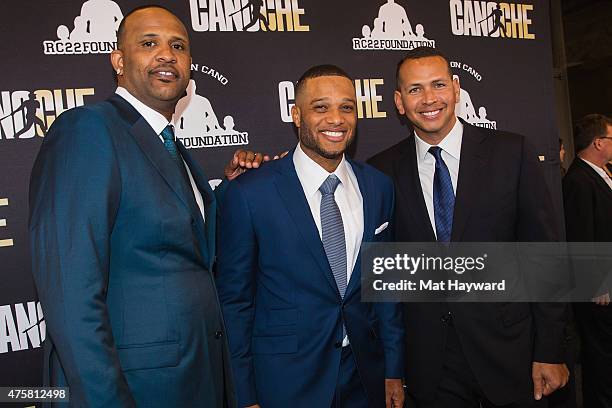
236, 284
537, 224
74, 196
390, 313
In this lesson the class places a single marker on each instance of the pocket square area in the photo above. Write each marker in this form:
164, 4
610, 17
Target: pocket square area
381, 228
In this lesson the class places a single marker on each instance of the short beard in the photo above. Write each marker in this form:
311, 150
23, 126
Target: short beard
309, 141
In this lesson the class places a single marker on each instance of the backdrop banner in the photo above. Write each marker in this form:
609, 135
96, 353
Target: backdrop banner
247, 55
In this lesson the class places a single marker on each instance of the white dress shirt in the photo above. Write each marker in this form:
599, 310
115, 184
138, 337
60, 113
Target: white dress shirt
347, 196
600, 171
158, 123
451, 154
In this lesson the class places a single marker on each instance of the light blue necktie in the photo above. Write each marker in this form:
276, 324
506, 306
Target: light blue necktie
443, 197
332, 232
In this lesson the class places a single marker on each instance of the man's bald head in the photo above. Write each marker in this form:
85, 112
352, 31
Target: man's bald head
121, 29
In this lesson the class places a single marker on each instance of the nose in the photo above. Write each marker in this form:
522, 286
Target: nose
429, 96
165, 53
334, 117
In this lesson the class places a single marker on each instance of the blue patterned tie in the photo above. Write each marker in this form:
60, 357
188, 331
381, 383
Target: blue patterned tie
443, 197
332, 232
168, 135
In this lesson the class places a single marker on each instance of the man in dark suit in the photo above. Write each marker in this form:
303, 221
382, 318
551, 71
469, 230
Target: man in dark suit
289, 269
122, 224
587, 198
455, 182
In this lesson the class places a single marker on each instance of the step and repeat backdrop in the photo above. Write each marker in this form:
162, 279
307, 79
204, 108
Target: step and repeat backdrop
247, 54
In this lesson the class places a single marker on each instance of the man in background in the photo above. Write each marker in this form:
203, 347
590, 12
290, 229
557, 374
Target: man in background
587, 198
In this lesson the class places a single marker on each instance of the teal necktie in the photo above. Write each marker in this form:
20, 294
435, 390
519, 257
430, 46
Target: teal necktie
168, 135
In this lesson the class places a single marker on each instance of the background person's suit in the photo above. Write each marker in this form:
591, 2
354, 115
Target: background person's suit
280, 301
121, 261
500, 198
587, 201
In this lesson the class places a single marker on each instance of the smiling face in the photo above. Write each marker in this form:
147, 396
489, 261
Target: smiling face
427, 97
154, 60
325, 116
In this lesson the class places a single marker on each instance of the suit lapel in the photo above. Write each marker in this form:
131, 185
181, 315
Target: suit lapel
409, 187
292, 194
368, 224
471, 167
154, 150
601, 183
210, 205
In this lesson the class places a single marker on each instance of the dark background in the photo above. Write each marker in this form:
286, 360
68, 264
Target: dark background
524, 87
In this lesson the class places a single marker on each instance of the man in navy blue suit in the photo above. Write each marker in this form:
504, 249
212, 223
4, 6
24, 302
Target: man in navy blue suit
289, 269
122, 229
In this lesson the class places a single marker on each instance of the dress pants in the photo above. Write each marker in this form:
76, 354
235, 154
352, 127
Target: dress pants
595, 327
458, 387
349, 390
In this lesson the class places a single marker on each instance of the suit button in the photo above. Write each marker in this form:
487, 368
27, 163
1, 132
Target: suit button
338, 344
446, 318
218, 334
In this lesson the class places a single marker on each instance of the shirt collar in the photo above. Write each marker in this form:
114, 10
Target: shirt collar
156, 120
598, 169
312, 175
451, 143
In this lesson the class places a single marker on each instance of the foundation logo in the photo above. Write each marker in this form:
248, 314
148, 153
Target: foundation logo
392, 30
466, 109
247, 15
197, 125
491, 19
22, 327
94, 30
25, 114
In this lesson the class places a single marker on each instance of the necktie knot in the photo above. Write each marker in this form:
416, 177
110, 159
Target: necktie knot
168, 134
436, 152
329, 185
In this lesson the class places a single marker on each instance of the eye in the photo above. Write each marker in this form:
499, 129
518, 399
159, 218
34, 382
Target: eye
440, 85
320, 108
347, 108
178, 46
413, 91
148, 43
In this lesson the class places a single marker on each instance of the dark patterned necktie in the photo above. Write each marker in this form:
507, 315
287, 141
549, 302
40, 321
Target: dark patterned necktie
443, 197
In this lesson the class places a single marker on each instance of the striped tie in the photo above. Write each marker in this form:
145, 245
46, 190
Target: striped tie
443, 197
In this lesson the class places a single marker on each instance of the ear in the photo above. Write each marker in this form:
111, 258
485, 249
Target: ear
397, 97
116, 58
456, 87
598, 143
296, 115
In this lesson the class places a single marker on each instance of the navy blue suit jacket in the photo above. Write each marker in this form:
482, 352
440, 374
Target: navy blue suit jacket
280, 301
121, 261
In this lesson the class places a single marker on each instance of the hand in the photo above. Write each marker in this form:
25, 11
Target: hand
547, 378
394, 393
243, 160
602, 300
